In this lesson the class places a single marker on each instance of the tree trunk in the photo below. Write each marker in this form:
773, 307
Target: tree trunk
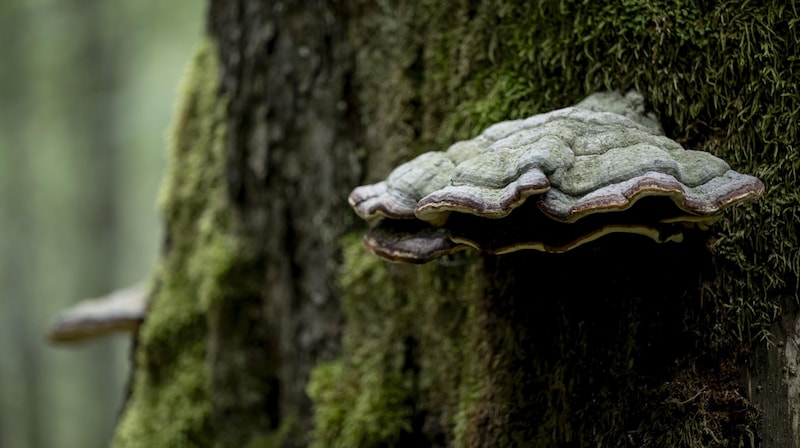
271, 325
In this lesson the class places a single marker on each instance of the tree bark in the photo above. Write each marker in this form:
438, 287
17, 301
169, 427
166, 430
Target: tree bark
308, 339
290, 159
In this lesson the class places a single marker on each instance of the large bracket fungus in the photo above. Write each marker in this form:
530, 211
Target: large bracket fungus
550, 182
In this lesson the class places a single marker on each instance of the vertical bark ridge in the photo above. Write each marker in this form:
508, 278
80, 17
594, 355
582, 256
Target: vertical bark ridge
290, 163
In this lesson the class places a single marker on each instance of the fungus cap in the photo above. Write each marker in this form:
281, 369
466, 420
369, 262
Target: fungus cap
120, 311
600, 156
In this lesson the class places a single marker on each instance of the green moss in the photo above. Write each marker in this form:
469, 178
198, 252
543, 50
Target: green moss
399, 376
373, 409
280, 437
170, 411
362, 403
169, 403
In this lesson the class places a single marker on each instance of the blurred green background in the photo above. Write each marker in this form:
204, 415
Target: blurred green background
87, 89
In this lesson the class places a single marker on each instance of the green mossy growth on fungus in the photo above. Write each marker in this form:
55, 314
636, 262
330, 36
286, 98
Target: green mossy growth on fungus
399, 377
169, 403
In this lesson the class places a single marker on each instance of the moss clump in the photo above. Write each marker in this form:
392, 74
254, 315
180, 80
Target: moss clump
170, 402
398, 381
282, 436
374, 409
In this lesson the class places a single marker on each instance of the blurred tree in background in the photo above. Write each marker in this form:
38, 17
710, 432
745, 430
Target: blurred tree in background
86, 92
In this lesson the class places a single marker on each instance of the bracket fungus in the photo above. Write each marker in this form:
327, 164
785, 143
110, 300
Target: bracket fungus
550, 182
122, 310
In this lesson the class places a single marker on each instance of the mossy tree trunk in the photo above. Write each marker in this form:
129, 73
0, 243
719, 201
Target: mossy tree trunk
271, 325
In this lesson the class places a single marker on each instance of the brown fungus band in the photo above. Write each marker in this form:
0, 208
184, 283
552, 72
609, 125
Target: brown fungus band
575, 174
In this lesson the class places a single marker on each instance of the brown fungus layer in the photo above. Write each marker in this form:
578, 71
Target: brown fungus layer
410, 241
582, 167
656, 218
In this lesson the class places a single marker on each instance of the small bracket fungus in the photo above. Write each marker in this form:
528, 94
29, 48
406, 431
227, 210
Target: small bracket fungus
550, 182
120, 311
